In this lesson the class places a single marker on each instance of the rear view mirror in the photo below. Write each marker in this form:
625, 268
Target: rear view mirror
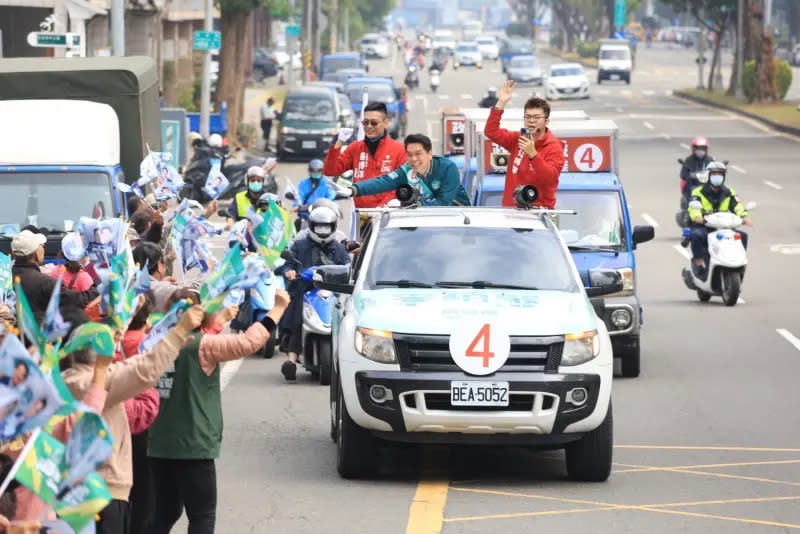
289, 196
334, 278
604, 282
642, 234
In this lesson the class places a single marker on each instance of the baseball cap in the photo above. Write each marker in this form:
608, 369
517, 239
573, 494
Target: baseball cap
26, 242
72, 247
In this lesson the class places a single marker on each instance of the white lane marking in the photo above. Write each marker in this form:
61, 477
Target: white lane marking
465, 96
738, 169
682, 251
649, 220
648, 92
626, 92
444, 97
229, 369
788, 336
788, 249
649, 126
773, 185
666, 136
685, 146
419, 97
603, 92
620, 110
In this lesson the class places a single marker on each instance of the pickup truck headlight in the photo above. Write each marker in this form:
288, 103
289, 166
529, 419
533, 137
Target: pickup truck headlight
580, 348
375, 345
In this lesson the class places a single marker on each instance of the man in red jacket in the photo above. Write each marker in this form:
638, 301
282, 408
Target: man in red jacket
376, 155
536, 159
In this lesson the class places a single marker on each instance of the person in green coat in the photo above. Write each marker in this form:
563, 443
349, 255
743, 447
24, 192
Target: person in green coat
436, 177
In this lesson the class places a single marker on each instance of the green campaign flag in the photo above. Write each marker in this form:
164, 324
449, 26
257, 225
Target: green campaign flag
40, 470
274, 233
121, 295
81, 504
212, 294
98, 335
27, 322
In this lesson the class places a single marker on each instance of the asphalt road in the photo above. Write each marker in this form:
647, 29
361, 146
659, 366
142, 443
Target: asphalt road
706, 439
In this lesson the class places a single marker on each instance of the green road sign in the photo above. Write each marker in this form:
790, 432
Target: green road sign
207, 40
54, 40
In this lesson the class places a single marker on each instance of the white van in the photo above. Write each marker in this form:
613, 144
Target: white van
614, 62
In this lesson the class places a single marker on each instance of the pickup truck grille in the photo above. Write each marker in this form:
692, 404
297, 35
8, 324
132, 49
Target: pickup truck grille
418, 352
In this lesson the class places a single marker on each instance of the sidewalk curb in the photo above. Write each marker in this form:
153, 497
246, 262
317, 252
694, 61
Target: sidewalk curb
777, 126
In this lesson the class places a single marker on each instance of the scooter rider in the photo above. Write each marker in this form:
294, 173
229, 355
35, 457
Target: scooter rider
319, 247
244, 200
698, 160
710, 198
312, 188
490, 100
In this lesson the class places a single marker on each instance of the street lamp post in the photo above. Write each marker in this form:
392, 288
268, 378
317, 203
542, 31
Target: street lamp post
740, 50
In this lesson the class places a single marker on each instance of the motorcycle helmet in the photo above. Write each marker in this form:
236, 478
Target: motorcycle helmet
322, 224
328, 203
716, 168
194, 139
263, 200
315, 167
215, 140
700, 142
254, 172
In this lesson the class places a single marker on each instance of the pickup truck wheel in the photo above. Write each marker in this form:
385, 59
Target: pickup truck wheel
630, 358
589, 460
356, 450
324, 360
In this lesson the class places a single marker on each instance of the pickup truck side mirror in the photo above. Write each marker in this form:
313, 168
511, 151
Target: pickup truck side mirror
334, 278
642, 234
604, 282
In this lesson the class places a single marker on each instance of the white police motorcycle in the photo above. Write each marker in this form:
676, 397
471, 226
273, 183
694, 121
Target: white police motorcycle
726, 258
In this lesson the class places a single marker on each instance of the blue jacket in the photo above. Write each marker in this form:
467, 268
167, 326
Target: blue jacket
308, 194
443, 184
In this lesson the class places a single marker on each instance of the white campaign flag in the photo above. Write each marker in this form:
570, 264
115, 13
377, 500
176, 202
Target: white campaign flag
364, 101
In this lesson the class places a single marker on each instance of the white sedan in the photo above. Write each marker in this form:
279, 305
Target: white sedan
567, 80
488, 46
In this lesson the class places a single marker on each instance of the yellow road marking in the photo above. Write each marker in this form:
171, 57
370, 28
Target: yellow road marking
708, 473
702, 466
530, 514
701, 448
533, 496
721, 517
724, 501
426, 514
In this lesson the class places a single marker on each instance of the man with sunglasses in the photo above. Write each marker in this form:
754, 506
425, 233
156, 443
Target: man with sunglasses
535, 158
376, 155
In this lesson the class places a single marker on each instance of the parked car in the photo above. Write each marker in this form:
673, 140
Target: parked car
264, 64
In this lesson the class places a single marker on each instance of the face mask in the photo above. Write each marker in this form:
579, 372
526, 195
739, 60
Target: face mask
316, 175
700, 154
716, 179
255, 187
323, 230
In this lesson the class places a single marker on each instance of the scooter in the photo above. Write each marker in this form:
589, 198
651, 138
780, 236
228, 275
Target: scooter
412, 78
434, 79
726, 259
317, 339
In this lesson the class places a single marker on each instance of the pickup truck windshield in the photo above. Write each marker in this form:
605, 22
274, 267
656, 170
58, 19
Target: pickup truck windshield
377, 92
333, 64
469, 254
598, 222
48, 199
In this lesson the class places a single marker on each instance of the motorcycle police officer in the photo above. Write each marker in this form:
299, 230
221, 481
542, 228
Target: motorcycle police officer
244, 200
709, 198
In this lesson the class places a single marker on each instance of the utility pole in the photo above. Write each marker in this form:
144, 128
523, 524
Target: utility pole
315, 32
307, 5
291, 45
333, 26
767, 13
117, 27
740, 50
701, 50
205, 87
346, 28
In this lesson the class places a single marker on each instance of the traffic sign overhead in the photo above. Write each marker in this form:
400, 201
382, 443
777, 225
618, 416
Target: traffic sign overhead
54, 40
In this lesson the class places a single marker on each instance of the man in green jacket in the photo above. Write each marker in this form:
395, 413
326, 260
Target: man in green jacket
437, 178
